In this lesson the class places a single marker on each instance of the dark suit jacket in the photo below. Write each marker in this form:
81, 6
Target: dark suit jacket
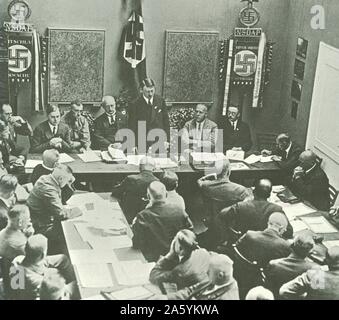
42, 135
291, 161
286, 269
156, 117
131, 191
239, 138
313, 187
263, 246
104, 133
156, 226
3, 215
251, 215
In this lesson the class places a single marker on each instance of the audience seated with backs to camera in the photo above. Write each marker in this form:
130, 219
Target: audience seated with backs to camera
155, 227
267, 245
14, 237
219, 284
51, 133
54, 287
132, 191
283, 270
184, 265
310, 182
50, 159
316, 284
36, 265
8, 186
46, 206
253, 214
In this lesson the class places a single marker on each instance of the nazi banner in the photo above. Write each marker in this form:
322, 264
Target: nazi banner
20, 58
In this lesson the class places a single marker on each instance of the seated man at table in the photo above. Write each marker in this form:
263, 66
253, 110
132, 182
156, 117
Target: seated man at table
286, 269
170, 180
51, 133
79, 127
156, 226
220, 284
237, 134
218, 187
200, 133
253, 214
264, 246
310, 182
8, 185
316, 284
14, 237
36, 265
108, 124
286, 153
132, 191
54, 287
46, 206
50, 160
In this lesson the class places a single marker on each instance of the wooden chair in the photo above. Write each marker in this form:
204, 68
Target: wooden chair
247, 273
333, 195
266, 141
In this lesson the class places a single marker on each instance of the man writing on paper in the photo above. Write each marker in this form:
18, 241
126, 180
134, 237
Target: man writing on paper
107, 125
237, 134
286, 153
51, 133
46, 206
79, 127
310, 182
200, 133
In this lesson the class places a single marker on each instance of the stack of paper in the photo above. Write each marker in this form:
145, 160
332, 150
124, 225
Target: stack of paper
252, 159
89, 256
89, 156
134, 159
207, 157
331, 243
164, 163
278, 188
116, 154
319, 225
94, 275
266, 159
298, 209
235, 155
298, 225
31, 164
116, 242
65, 158
239, 166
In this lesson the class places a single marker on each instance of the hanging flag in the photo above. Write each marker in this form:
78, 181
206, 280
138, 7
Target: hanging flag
38, 87
134, 44
4, 90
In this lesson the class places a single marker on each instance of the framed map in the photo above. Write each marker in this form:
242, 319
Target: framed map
76, 65
190, 66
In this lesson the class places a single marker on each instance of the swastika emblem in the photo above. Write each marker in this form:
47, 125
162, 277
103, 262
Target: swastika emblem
245, 63
249, 17
19, 58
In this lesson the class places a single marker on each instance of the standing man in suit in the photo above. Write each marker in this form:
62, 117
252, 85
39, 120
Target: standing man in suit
149, 110
264, 246
17, 126
310, 182
200, 133
8, 185
237, 134
79, 127
286, 153
51, 133
316, 284
155, 227
108, 124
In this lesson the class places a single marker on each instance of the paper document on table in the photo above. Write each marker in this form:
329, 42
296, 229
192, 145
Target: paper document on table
235, 155
94, 275
65, 158
116, 153
319, 225
131, 294
89, 256
134, 159
239, 166
297, 209
31, 164
207, 157
266, 159
252, 159
89, 156
88, 231
133, 272
96, 297
298, 225
331, 243
278, 188
165, 163
116, 242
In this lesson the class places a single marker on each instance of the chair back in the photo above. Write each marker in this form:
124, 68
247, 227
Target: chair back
333, 195
266, 140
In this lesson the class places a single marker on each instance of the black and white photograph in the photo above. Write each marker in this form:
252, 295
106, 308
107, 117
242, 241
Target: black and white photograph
156, 150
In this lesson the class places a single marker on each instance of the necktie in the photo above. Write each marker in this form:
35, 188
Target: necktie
234, 126
111, 120
54, 131
149, 102
284, 155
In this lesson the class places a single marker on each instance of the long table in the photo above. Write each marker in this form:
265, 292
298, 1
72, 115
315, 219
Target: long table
75, 242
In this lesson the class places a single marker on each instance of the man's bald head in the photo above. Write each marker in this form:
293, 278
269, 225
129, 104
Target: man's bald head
36, 248
109, 104
220, 269
63, 174
262, 189
223, 168
50, 158
307, 159
278, 222
146, 164
156, 191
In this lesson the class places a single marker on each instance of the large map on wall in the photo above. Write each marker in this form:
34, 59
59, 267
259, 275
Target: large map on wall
190, 66
76, 65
